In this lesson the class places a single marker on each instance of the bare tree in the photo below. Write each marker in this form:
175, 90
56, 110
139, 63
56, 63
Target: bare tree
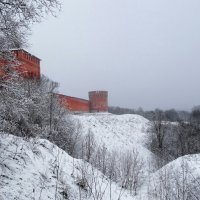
175, 183
88, 147
131, 171
158, 128
91, 181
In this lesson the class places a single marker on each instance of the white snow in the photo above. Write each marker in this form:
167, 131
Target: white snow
38, 170
177, 178
118, 132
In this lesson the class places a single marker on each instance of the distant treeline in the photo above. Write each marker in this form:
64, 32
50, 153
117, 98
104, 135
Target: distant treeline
171, 115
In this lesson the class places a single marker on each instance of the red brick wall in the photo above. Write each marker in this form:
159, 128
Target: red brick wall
98, 101
74, 104
28, 65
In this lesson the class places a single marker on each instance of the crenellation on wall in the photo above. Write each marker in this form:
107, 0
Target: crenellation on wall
28, 66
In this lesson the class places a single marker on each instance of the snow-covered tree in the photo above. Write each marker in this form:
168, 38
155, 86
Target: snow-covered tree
17, 16
31, 108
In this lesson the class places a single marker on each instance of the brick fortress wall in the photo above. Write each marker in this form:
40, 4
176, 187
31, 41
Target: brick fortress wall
98, 102
74, 104
28, 66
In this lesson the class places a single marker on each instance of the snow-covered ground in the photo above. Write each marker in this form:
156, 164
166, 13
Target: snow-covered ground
118, 132
178, 180
39, 170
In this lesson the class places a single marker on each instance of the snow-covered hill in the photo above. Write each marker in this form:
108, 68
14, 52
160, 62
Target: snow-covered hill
39, 170
118, 132
178, 180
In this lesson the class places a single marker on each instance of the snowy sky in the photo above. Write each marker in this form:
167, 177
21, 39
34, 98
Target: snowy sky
144, 52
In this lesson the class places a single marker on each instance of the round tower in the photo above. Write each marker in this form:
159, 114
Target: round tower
98, 101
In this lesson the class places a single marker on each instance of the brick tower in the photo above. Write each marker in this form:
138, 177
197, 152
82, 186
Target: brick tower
26, 64
29, 65
98, 101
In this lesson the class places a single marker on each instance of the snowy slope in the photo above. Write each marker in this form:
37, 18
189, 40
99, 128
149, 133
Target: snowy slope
179, 179
39, 170
118, 132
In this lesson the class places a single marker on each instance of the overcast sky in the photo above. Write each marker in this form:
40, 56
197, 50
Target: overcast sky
143, 52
